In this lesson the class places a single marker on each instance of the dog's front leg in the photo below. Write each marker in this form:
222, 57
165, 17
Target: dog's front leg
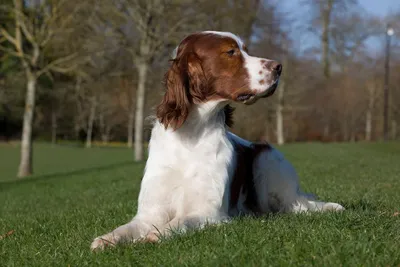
133, 231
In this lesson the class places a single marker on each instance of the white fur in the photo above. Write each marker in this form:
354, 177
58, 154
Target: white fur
188, 175
254, 67
228, 34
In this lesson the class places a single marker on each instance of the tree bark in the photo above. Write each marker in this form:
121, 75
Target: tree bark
78, 118
92, 116
140, 100
368, 117
326, 13
25, 166
131, 123
368, 125
326, 17
327, 130
279, 115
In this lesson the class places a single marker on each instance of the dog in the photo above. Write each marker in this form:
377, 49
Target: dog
198, 173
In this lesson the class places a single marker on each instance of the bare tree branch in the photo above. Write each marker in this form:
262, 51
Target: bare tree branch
8, 36
56, 65
14, 53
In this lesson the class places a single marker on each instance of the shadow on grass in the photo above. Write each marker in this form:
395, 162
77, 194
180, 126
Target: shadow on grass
95, 146
80, 145
50, 176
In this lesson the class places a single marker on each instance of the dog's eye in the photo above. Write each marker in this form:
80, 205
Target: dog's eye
231, 52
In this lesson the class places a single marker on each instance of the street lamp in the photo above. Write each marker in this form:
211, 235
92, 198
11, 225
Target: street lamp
389, 33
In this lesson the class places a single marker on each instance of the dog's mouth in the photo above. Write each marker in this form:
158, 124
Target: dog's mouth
249, 99
245, 97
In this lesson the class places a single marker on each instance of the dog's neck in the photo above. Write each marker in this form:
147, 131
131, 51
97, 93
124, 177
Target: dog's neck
204, 115
205, 121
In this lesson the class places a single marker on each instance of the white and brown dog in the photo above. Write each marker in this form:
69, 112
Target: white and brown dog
198, 172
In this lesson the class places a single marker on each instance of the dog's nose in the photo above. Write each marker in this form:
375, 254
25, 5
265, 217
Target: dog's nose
276, 66
279, 68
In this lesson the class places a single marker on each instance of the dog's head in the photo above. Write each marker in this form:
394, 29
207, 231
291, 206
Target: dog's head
209, 66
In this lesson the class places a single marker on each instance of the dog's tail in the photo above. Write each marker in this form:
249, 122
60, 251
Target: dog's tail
308, 202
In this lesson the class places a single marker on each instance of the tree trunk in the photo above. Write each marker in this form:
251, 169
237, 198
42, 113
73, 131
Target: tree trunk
327, 130
265, 135
92, 116
326, 13
77, 118
131, 123
326, 17
25, 165
53, 128
368, 118
279, 115
106, 135
394, 130
105, 130
368, 125
102, 127
140, 100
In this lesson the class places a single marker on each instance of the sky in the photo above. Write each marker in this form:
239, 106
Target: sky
375, 7
379, 8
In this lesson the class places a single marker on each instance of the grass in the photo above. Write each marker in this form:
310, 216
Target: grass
78, 194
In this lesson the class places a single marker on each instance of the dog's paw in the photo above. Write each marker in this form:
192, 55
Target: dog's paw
333, 207
152, 237
101, 242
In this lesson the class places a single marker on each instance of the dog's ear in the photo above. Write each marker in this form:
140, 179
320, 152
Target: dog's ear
185, 84
198, 85
174, 107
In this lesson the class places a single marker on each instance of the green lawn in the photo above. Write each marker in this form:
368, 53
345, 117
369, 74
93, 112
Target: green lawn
77, 194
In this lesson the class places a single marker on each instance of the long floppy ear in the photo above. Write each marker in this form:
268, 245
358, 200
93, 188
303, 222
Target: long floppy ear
185, 82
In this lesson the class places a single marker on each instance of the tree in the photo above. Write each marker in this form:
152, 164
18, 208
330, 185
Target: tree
90, 122
145, 28
34, 28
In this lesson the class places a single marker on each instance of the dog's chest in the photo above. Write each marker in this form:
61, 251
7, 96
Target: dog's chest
206, 170
208, 161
